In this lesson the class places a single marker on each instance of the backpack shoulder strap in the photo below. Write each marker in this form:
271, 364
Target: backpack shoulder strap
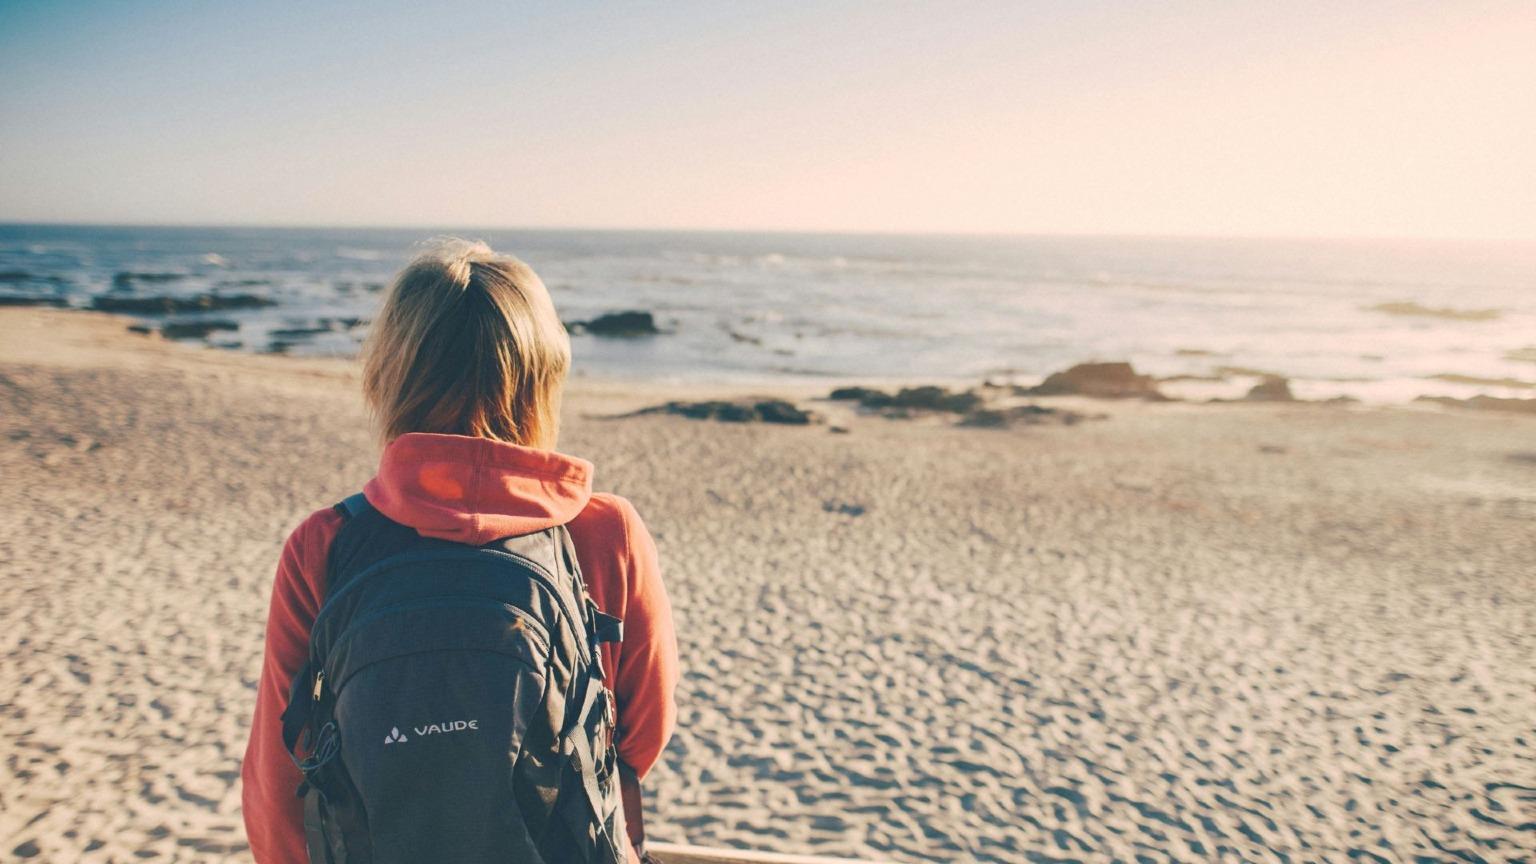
366, 536
353, 506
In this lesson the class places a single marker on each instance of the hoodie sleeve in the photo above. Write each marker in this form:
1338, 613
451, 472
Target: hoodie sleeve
646, 675
274, 817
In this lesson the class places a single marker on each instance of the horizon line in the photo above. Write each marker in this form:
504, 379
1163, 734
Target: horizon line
830, 232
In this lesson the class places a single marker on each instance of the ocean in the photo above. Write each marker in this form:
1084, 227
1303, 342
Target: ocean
1380, 321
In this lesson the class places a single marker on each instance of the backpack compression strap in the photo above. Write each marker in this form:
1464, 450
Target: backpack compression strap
633, 803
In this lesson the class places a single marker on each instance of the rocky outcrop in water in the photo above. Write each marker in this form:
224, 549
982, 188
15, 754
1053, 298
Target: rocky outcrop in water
172, 305
31, 300
24, 288
1100, 381
628, 323
22, 277
1272, 389
125, 280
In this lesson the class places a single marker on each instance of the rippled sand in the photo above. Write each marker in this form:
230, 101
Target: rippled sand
1245, 632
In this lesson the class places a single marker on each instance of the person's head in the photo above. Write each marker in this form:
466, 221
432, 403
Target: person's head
467, 343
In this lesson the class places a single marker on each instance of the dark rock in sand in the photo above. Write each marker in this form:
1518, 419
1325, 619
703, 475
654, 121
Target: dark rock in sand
726, 412
195, 329
987, 418
1485, 403
167, 305
866, 396
1028, 415
124, 280
779, 411
765, 411
628, 323
936, 399
1099, 380
1271, 389
911, 398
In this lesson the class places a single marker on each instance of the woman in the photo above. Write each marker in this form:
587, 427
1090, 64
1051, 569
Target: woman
463, 372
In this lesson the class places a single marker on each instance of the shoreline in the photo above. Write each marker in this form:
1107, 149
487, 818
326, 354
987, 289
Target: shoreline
911, 642
102, 334
1380, 323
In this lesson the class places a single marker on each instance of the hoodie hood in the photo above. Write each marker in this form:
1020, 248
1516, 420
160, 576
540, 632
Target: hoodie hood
475, 490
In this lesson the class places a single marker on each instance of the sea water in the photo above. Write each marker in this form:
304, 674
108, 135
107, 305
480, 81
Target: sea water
1382, 321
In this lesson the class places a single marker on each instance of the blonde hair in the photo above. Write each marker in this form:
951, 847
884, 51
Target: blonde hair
467, 343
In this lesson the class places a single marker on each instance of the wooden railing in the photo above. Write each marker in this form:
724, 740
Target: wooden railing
677, 853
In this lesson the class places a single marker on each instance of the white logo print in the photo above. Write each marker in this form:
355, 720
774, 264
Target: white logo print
395, 736
447, 726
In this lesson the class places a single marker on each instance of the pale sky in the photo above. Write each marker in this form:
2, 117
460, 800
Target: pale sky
1398, 119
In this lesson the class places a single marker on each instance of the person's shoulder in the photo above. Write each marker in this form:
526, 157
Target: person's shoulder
609, 516
301, 570
317, 529
617, 554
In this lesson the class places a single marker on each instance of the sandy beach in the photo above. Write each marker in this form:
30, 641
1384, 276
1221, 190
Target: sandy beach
1245, 632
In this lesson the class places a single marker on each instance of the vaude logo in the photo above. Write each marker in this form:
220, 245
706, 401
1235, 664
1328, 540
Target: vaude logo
394, 736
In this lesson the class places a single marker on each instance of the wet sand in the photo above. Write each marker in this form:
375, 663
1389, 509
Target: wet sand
1185, 632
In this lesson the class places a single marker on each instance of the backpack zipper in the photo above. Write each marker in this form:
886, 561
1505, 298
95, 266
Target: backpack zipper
448, 600
572, 617
545, 580
532, 627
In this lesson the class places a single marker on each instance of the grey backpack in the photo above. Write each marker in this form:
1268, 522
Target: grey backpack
453, 707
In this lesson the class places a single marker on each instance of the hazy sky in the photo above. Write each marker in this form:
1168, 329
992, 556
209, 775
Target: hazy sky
1290, 118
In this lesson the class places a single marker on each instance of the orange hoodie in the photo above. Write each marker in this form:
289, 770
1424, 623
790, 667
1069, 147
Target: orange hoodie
469, 490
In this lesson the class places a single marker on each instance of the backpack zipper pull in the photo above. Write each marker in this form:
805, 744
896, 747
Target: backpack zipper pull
319, 684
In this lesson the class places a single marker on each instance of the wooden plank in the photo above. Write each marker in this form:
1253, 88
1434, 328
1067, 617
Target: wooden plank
678, 853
